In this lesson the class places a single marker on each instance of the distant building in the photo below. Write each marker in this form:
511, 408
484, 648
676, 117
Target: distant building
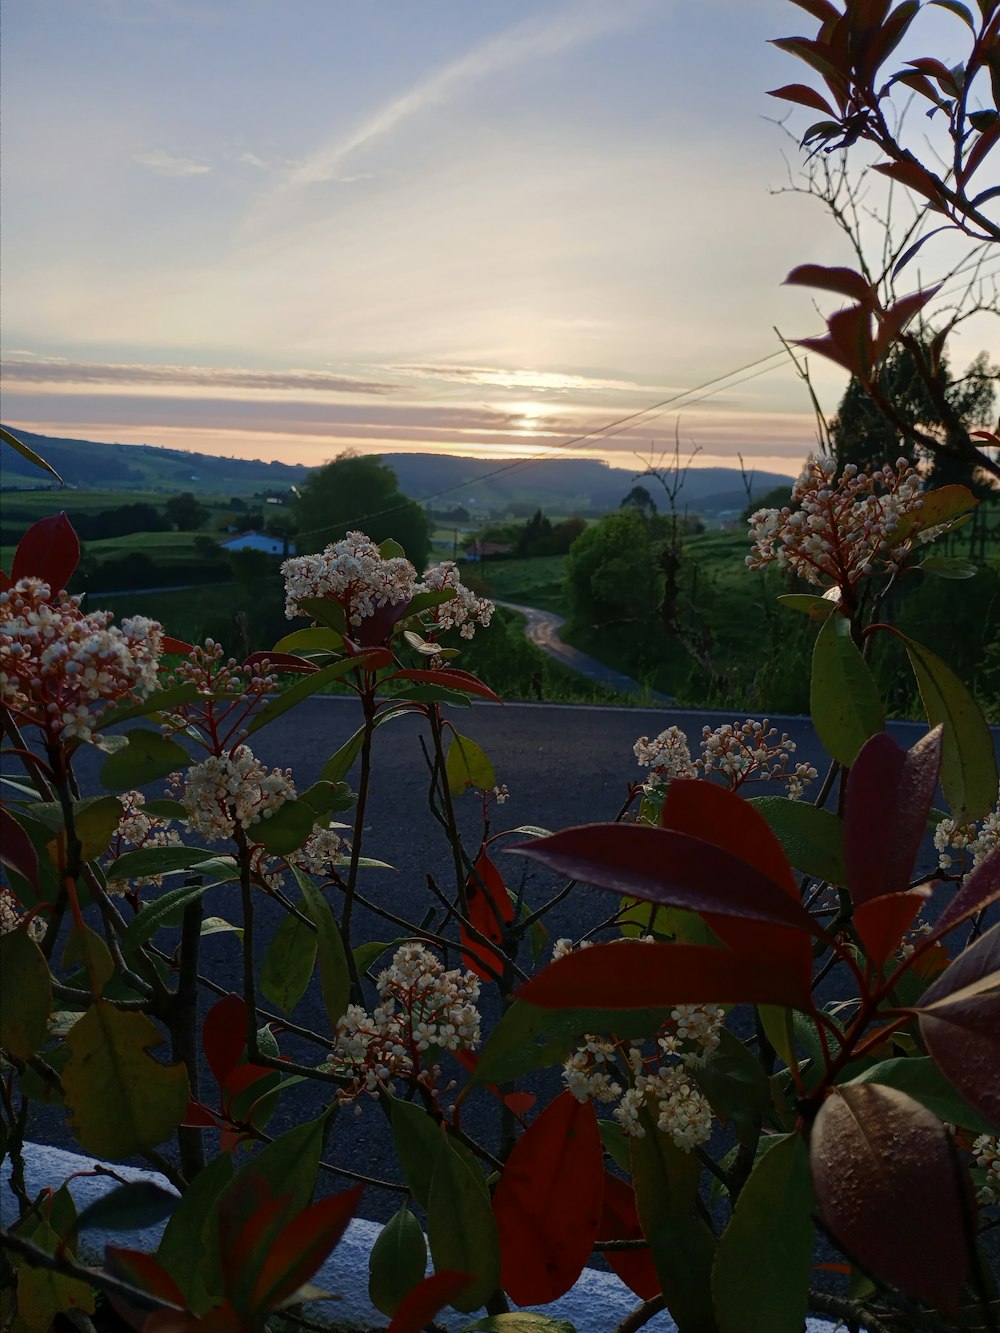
482, 550
257, 541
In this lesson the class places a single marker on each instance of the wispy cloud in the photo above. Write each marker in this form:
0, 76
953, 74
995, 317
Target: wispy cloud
163, 163
41, 370
526, 381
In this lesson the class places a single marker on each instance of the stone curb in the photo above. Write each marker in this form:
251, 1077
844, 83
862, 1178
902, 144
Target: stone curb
597, 1303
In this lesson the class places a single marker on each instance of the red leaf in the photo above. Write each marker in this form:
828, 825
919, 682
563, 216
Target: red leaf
4, 580
804, 96
49, 550
548, 1202
198, 1116
671, 868
518, 1102
892, 1191
178, 646
17, 851
882, 922
620, 1221
239, 1079
889, 795
819, 9
490, 909
894, 320
960, 1023
282, 662
845, 281
143, 1271
451, 678
632, 974
301, 1247
936, 69
980, 890
828, 348
419, 1306
913, 176
224, 1036
850, 331
986, 142
720, 817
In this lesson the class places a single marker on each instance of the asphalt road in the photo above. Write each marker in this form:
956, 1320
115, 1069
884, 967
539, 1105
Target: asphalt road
563, 765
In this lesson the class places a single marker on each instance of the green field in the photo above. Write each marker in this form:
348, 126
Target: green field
533, 582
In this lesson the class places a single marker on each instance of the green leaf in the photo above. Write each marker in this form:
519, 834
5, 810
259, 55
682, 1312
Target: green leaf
468, 765
96, 825
434, 694
122, 1100
25, 995
461, 1227
921, 1079
327, 798
844, 699
146, 757
949, 567
615, 1142
736, 1086
163, 808
129, 1207
390, 549
43, 1293
528, 1037
302, 689
145, 861
326, 611
760, 1280
397, 1261
182, 1249
520, 1321
368, 953
217, 925
285, 830
86, 946
809, 604
339, 764
968, 761
318, 638
426, 601
812, 839
680, 1240
334, 972
160, 701
156, 913
418, 1139
288, 963
38, 461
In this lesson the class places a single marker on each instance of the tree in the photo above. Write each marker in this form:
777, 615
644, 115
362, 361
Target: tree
537, 528
639, 498
610, 574
186, 513
355, 492
862, 434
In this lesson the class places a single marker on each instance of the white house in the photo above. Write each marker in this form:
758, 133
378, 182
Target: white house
257, 541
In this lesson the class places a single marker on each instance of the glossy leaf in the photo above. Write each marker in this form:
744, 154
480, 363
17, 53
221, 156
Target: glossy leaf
316, 639
980, 889
892, 1191
920, 1078
632, 974
43, 1293
397, 1261
844, 699
27, 452
548, 1202
327, 798
308, 685
461, 1227
334, 972
288, 963
620, 1221
286, 829
681, 1242
450, 678
146, 861
844, 281
968, 760
181, 1247
490, 911
122, 1100
160, 911
128, 1207
421, 1305
949, 567
520, 1321
25, 994
960, 1023
760, 1279
817, 608
17, 851
468, 765
528, 1037
224, 1036
812, 839
888, 800
160, 701
736, 1086
50, 551
418, 1139
803, 95
295, 1254
882, 922
668, 867
146, 757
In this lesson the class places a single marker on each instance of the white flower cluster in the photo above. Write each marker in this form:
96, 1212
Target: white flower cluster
137, 828
606, 1070
320, 851
422, 1007
972, 842
60, 668
986, 1151
838, 530
11, 917
352, 572
736, 750
229, 789
465, 610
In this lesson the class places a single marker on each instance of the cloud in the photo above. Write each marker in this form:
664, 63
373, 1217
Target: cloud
527, 381
58, 371
171, 164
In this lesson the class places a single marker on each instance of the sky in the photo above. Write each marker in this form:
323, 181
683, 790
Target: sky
283, 228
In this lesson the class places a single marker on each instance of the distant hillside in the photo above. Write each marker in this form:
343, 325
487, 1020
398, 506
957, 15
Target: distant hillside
558, 485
